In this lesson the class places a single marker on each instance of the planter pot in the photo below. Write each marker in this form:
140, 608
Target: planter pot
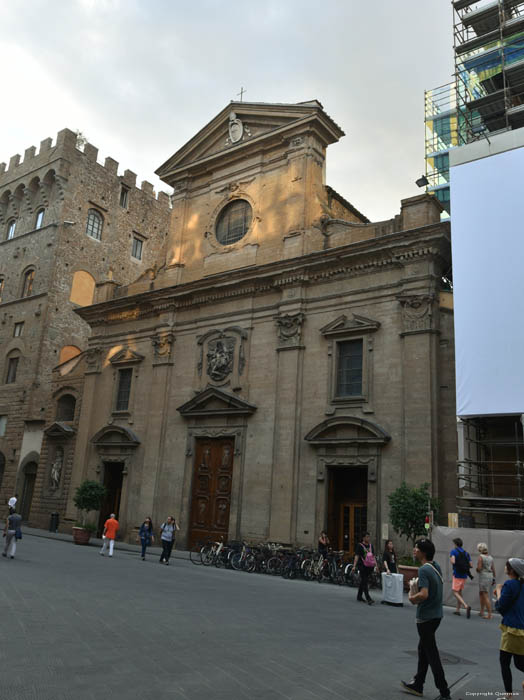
408, 572
81, 535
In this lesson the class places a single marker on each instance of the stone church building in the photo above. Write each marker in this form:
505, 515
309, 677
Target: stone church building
283, 366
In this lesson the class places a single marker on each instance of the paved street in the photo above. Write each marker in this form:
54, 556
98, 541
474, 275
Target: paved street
78, 626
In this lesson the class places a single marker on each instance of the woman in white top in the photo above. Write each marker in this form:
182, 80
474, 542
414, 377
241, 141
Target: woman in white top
167, 538
486, 572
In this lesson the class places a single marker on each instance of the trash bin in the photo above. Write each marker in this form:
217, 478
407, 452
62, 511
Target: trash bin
393, 589
53, 523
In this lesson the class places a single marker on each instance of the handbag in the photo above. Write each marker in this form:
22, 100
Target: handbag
18, 533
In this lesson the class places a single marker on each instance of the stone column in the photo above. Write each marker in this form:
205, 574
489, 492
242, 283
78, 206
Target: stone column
287, 406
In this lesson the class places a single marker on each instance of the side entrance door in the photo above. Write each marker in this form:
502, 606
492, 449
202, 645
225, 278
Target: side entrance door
352, 525
211, 492
113, 482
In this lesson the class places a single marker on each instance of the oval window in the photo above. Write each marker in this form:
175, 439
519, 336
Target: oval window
234, 221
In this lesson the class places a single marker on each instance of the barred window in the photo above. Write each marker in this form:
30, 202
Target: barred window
39, 218
136, 250
11, 227
94, 224
349, 368
12, 368
124, 389
27, 287
234, 222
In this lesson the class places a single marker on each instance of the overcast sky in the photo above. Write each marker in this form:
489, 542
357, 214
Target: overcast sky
140, 77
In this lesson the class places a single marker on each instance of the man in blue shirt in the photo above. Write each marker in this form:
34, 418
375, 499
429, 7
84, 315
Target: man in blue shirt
426, 593
461, 562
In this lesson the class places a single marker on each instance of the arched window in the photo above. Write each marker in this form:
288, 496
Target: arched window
11, 226
2, 283
13, 360
65, 408
27, 287
82, 288
94, 224
68, 352
39, 218
234, 221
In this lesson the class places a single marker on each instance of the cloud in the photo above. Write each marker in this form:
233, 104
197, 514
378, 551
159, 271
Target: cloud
140, 78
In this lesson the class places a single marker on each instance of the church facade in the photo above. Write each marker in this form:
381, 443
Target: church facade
284, 366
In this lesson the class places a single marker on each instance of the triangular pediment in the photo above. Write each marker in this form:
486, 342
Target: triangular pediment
126, 357
255, 122
214, 401
347, 326
58, 429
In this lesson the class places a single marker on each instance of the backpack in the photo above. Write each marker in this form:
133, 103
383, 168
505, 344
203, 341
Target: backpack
369, 560
461, 563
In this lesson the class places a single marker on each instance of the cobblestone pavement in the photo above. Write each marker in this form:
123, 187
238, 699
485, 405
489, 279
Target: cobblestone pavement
78, 626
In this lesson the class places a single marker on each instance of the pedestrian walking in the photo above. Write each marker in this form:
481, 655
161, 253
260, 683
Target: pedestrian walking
461, 562
486, 572
111, 526
510, 604
167, 538
323, 543
146, 536
12, 502
426, 593
389, 558
12, 533
365, 562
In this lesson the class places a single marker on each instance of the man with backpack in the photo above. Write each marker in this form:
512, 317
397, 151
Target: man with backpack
461, 562
365, 562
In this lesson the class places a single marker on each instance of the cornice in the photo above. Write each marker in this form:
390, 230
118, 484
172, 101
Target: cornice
354, 259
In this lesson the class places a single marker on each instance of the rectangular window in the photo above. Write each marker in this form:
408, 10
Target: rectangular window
19, 327
12, 366
3, 425
349, 368
124, 389
136, 250
124, 197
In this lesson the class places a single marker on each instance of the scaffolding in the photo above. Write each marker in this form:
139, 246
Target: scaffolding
491, 473
489, 66
440, 118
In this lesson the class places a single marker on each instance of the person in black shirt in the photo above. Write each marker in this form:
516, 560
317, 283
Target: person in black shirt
365, 562
323, 543
390, 558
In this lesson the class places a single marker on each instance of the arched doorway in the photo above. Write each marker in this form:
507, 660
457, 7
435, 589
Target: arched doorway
28, 488
348, 475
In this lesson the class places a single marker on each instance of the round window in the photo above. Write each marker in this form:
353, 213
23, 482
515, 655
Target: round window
234, 221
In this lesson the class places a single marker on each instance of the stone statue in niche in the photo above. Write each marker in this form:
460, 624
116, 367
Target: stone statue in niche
220, 357
56, 469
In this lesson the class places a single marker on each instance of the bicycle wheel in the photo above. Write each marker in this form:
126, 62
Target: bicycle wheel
195, 554
250, 563
273, 566
236, 561
208, 556
307, 569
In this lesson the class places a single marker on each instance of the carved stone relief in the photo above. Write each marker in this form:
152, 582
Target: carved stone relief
417, 312
289, 330
162, 343
222, 357
93, 359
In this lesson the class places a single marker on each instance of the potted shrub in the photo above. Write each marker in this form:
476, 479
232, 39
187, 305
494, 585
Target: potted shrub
408, 507
89, 496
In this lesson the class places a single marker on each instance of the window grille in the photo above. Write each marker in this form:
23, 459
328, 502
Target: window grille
94, 224
124, 389
349, 368
234, 222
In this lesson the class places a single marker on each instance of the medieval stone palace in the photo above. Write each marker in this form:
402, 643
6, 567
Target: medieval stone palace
282, 366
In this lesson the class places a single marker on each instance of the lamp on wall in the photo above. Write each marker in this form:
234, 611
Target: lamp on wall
422, 181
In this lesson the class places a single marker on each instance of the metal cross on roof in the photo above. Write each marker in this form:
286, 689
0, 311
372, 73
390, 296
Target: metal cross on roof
241, 93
